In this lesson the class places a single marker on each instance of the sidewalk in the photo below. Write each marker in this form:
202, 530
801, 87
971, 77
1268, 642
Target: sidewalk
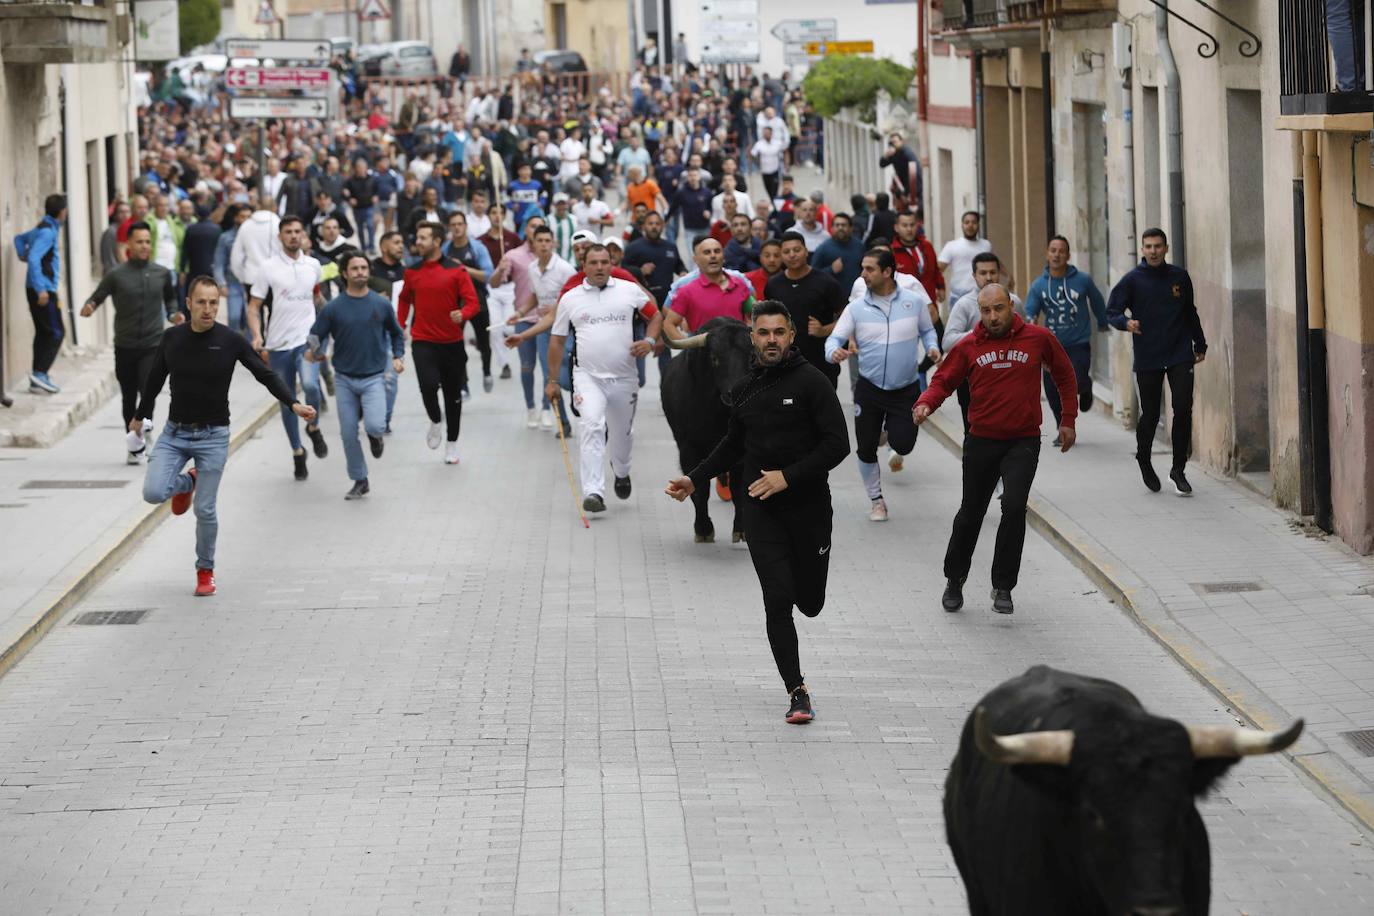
1278, 622
68, 513
87, 378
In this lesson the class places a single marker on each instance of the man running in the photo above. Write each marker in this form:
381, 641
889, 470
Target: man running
964, 316
786, 433
956, 258
363, 325
387, 276
144, 300
893, 334
770, 262
714, 294
293, 280
1154, 302
1070, 302
813, 299
444, 300
199, 356
842, 254
475, 258
1002, 363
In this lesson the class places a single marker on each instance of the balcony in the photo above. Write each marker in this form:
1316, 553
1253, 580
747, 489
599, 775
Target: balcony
1315, 60
1008, 23
56, 33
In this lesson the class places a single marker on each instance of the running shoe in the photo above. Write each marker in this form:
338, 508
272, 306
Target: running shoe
182, 501
41, 382
360, 489
723, 488
434, 436
546, 419
896, 462
317, 442
1001, 601
953, 598
1147, 474
134, 457
879, 511
594, 503
324, 403
378, 444
451, 453
205, 583
299, 458
388, 428
622, 487
800, 712
532, 418
1058, 442
488, 383
467, 393
505, 372
1181, 485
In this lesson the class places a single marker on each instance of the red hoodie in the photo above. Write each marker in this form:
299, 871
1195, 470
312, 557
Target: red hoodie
1004, 380
434, 289
921, 262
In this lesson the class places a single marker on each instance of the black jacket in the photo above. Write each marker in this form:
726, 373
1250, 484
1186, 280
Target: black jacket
784, 417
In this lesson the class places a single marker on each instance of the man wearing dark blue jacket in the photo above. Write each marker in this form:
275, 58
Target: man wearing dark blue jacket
1154, 302
1071, 304
41, 249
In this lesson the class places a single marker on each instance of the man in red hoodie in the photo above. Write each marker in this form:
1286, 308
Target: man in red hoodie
444, 299
916, 256
1001, 360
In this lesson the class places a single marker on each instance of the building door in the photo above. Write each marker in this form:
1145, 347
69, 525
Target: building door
560, 25
1249, 356
1090, 229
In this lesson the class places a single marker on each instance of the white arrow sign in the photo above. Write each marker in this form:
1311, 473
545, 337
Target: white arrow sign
278, 108
277, 78
278, 49
733, 8
796, 30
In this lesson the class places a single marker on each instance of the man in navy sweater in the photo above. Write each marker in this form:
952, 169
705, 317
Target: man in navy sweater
1154, 302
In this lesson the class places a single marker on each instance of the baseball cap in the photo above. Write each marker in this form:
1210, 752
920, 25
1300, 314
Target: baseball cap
615, 240
560, 196
585, 235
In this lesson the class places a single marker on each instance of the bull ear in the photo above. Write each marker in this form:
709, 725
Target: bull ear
1209, 771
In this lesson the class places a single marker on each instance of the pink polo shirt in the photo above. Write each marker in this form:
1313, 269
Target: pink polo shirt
515, 266
701, 300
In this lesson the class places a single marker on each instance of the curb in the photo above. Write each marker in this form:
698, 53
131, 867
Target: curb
79, 585
1127, 590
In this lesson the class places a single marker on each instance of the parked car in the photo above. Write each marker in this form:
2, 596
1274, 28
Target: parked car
560, 61
407, 59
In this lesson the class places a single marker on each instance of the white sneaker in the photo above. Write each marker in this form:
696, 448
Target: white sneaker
532, 418
434, 436
451, 453
134, 458
546, 419
136, 445
879, 511
895, 462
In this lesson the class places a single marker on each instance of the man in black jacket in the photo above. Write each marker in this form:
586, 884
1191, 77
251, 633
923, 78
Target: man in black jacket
787, 431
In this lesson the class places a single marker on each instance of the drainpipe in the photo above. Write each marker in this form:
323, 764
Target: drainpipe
978, 129
1047, 104
1173, 130
71, 171
1128, 153
1311, 331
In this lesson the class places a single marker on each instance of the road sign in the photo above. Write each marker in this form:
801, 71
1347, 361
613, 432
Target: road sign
373, 10
726, 29
278, 78
289, 49
822, 48
729, 31
802, 30
731, 52
739, 9
257, 107
266, 15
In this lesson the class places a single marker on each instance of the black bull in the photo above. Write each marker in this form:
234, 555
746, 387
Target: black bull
1067, 797
694, 390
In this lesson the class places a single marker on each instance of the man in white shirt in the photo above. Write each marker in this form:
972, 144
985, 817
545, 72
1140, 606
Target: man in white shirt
293, 280
727, 189
769, 119
605, 381
255, 243
956, 258
767, 152
569, 151
807, 226
548, 274
478, 219
273, 178
592, 214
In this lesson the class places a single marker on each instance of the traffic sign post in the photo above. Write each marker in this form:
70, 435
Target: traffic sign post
279, 49
822, 48
313, 80
796, 34
265, 107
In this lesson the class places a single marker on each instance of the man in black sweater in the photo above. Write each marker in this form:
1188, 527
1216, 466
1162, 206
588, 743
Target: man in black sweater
199, 356
787, 431
1154, 302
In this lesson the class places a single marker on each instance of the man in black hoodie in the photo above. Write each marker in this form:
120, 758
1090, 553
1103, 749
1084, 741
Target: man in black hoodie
1154, 302
787, 431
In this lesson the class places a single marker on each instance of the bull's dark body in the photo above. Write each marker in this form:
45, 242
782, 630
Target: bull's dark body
692, 389
1022, 836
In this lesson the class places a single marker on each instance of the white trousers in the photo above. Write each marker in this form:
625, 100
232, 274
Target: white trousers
500, 306
607, 408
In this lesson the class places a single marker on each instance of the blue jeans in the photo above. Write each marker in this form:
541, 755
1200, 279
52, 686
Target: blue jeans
529, 350
1346, 50
365, 230
179, 444
390, 381
359, 398
238, 315
671, 229
290, 365
1081, 358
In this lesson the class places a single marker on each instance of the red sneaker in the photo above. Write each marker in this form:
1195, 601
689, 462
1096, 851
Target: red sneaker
723, 487
182, 501
205, 583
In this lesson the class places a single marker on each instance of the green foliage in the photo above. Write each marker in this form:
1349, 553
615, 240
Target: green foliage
848, 80
199, 21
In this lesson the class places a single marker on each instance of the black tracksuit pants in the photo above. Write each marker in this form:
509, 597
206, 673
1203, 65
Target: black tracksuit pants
441, 366
877, 409
789, 542
131, 371
985, 461
47, 330
1180, 378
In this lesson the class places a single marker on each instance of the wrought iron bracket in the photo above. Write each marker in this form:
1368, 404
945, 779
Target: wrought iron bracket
1209, 46
1249, 47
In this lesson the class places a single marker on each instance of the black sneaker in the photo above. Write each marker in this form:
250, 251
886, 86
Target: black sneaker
488, 383
377, 444
505, 373
953, 598
299, 458
1181, 485
1147, 474
1058, 442
800, 712
360, 489
317, 441
594, 503
388, 428
622, 487
1001, 601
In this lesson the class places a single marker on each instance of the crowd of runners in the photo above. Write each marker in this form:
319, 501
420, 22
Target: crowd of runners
568, 252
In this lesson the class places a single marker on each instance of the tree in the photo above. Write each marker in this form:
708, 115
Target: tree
848, 80
199, 22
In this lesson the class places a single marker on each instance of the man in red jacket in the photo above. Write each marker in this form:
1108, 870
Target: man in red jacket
916, 256
444, 300
1002, 362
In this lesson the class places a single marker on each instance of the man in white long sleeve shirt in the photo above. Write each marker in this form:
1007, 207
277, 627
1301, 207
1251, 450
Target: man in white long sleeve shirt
255, 244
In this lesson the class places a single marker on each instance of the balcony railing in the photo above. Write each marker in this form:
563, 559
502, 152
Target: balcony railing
1315, 58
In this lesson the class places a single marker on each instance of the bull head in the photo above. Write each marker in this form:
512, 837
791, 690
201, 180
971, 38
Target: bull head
1056, 747
695, 342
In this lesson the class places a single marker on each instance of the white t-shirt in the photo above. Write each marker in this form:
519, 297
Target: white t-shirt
904, 281
166, 254
604, 322
292, 282
569, 151
547, 283
813, 237
769, 153
590, 215
959, 254
478, 226
742, 205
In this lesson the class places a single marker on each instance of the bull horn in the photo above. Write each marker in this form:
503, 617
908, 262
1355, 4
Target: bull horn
696, 341
1225, 741
1048, 747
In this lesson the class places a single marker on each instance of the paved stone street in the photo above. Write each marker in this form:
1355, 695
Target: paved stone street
452, 698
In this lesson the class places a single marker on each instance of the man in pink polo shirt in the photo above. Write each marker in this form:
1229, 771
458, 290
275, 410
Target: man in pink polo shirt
714, 294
